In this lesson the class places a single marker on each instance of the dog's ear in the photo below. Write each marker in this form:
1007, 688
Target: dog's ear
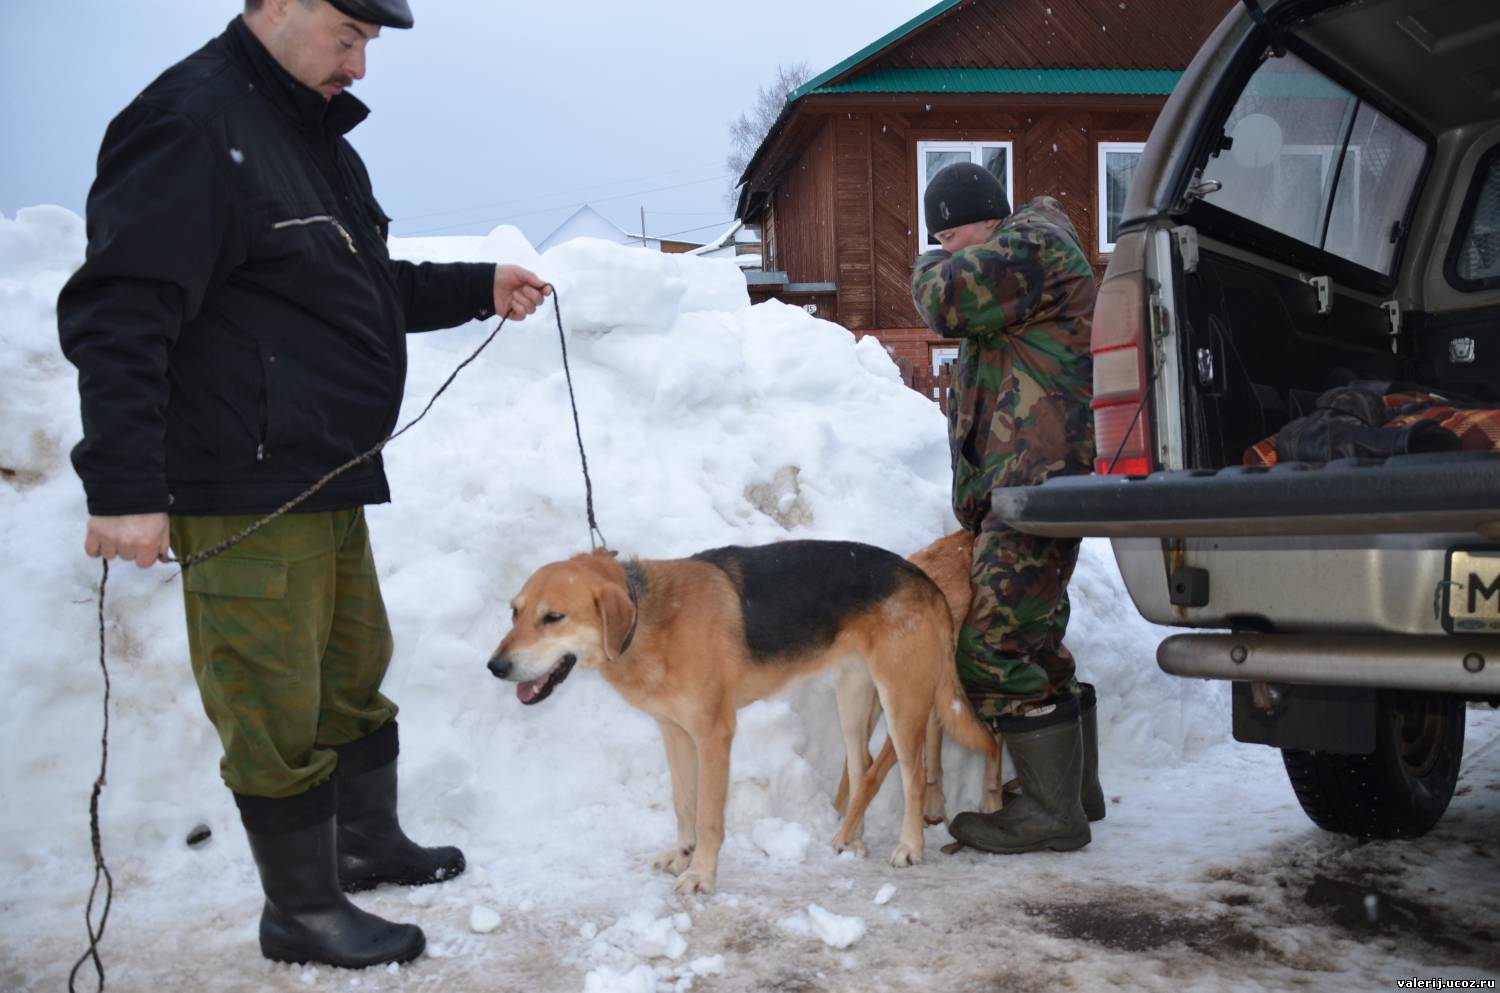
616, 615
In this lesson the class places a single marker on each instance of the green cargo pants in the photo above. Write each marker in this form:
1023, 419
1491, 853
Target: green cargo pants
289, 642
1010, 650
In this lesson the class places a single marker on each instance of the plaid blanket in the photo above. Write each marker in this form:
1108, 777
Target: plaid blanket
1477, 428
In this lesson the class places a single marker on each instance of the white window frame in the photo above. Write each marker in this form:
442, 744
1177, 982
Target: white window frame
976, 156
1105, 147
942, 355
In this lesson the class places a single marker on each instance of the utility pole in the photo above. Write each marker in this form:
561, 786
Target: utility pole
643, 225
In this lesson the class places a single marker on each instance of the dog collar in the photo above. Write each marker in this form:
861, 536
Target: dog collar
635, 588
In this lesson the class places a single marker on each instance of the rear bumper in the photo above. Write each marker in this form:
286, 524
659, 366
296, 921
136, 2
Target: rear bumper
1466, 665
1447, 492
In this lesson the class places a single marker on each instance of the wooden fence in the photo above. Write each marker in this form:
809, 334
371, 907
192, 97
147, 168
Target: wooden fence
933, 385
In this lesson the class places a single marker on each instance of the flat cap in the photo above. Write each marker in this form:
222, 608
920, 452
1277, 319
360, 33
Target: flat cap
386, 13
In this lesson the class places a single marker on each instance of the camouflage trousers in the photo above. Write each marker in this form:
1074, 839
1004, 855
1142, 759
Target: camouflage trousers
289, 643
1010, 650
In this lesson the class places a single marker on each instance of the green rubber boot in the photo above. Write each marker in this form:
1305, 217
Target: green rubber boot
1091, 794
1046, 746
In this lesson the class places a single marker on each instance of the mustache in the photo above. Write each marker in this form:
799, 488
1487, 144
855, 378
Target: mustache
339, 80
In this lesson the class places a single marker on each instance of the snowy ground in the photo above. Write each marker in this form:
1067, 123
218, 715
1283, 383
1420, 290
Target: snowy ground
708, 422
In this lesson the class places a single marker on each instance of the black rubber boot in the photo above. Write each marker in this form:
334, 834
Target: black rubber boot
1047, 748
372, 847
307, 918
1091, 794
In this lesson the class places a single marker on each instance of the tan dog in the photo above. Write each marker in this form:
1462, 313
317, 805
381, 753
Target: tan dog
947, 563
690, 641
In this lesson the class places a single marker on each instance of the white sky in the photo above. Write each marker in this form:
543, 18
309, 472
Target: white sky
488, 112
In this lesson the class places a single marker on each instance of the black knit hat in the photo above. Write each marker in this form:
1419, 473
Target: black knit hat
963, 193
386, 13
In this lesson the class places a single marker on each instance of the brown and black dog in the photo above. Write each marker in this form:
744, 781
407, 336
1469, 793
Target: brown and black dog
690, 641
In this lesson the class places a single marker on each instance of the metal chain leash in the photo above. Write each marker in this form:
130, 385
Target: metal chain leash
101, 870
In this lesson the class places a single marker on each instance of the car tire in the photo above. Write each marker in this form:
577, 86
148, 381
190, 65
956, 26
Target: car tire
1401, 789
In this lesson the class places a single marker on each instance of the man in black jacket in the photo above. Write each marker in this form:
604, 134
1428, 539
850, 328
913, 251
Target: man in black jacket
239, 330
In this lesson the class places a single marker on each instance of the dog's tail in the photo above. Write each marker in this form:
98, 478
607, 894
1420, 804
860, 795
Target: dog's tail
959, 721
958, 717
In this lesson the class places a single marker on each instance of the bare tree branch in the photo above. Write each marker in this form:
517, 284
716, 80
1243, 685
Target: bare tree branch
750, 129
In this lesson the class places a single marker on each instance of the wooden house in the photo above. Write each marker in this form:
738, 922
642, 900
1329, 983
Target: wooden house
1053, 96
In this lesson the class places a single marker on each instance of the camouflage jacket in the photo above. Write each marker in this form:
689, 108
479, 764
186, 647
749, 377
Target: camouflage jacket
1022, 303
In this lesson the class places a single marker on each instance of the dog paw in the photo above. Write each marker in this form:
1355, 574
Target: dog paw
857, 846
906, 855
692, 883
992, 802
673, 860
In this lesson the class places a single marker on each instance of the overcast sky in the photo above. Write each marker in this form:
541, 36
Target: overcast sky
488, 112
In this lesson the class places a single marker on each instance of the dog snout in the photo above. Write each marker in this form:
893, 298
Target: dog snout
501, 666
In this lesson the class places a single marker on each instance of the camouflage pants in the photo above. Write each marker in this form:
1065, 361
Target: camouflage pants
1010, 650
289, 643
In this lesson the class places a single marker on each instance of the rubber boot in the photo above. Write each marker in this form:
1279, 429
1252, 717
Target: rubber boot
1091, 794
1046, 746
306, 917
372, 847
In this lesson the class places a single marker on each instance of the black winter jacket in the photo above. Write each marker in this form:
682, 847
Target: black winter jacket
238, 324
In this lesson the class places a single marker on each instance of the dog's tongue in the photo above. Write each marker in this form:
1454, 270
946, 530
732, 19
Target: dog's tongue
528, 691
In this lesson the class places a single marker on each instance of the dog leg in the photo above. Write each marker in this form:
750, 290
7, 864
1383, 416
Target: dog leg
682, 759
856, 698
864, 791
934, 805
841, 798
906, 721
994, 792
713, 791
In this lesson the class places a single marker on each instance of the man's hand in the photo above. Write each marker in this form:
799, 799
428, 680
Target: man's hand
518, 291
143, 538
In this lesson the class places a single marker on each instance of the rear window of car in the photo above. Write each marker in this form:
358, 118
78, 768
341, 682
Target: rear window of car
1307, 158
1476, 259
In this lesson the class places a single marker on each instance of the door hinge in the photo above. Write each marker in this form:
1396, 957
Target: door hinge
1198, 188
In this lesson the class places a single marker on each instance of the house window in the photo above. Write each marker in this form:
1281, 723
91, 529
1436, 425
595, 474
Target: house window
1117, 162
932, 156
943, 355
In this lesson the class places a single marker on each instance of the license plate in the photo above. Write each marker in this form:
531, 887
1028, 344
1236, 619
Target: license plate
1472, 591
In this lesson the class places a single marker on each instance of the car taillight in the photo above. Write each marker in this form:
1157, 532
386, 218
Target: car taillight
1122, 440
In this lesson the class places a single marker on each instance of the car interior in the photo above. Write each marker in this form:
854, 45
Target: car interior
1347, 206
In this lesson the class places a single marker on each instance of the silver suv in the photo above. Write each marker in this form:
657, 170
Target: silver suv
1317, 206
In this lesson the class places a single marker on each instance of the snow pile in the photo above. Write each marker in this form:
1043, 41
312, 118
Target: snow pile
707, 422
642, 951
831, 929
782, 841
483, 920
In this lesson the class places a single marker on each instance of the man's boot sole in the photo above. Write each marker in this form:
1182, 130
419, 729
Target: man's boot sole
1067, 843
304, 958
363, 883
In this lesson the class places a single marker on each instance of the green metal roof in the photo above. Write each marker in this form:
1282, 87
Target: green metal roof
1156, 82
871, 49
